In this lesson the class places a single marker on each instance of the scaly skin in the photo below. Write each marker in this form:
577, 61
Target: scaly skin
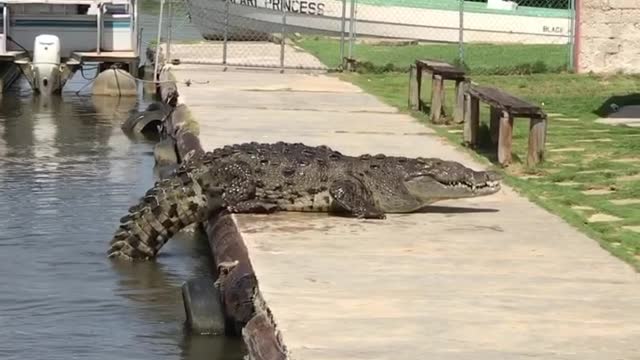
263, 178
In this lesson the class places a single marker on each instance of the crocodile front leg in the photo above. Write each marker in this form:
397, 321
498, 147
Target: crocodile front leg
351, 195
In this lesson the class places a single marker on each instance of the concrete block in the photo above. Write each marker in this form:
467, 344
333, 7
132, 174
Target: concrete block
624, 4
596, 4
609, 46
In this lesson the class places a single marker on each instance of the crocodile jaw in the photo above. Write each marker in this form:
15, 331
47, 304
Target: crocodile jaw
427, 189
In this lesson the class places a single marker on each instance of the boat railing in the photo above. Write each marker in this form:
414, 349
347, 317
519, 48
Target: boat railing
3, 29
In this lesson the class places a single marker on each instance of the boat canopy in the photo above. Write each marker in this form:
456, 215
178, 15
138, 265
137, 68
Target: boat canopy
63, 2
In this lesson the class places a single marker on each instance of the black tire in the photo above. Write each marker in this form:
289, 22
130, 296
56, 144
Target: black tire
203, 307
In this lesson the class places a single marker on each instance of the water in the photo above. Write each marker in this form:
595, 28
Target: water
67, 174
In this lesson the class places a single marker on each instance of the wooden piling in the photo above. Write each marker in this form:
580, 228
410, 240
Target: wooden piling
241, 298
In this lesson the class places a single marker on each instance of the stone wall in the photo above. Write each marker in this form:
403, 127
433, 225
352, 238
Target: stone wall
609, 36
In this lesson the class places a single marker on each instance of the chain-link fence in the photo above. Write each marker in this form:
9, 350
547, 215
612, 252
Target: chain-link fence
486, 36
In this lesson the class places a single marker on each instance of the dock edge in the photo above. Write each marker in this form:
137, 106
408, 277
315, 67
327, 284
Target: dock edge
243, 302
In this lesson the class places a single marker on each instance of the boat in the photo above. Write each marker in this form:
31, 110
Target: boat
429, 21
51, 39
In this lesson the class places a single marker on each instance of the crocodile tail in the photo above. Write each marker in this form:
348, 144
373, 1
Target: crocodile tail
167, 208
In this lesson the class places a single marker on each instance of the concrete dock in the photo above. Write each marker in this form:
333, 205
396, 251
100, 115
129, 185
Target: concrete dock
486, 278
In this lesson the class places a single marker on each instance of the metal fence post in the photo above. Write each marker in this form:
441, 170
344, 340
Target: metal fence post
343, 21
169, 29
284, 34
225, 32
572, 34
461, 34
158, 42
351, 24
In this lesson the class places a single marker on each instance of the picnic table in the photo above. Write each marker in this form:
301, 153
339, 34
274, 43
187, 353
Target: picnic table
440, 72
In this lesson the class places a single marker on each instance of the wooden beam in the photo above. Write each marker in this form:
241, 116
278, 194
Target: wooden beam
437, 98
458, 113
414, 89
537, 139
505, 138
471, 119
494, 124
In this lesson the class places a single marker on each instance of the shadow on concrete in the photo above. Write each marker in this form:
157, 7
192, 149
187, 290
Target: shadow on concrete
453, 210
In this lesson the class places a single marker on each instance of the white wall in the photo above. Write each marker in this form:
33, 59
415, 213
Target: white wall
609, 36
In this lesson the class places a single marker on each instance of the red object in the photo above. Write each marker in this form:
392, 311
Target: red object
577, 37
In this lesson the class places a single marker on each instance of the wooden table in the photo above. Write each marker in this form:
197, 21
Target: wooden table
440, 71
504, 108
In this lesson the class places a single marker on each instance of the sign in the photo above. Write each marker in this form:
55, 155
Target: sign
307, 7
553, 29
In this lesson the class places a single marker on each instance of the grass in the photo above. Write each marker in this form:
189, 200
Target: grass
479, 58
559, 182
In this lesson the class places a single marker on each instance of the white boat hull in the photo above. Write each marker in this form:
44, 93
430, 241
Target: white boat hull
257, 19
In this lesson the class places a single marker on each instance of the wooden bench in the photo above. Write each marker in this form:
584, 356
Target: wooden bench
440, 71
504, 108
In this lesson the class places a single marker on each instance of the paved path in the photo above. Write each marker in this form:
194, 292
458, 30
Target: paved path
486, 278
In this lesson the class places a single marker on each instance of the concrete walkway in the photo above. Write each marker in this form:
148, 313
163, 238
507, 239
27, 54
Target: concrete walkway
486, 278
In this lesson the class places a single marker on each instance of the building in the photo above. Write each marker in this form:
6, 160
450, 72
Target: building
607, 36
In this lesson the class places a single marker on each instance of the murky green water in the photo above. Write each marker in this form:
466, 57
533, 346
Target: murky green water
67, 174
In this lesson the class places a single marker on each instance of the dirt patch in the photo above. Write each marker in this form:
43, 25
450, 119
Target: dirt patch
632, 228
603, 171
626, 160
582, 208
598, 192
600, 217
635, 177
568, 183
623, 202
594, 140
568, 149
530, 177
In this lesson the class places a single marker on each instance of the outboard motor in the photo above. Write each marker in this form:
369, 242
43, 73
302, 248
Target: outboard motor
46, 63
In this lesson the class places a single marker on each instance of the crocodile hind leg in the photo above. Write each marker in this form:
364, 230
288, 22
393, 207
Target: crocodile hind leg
166, 209
353, 197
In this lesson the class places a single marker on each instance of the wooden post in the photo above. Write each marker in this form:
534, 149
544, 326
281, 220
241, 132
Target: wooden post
505, 138
471, 119
437, 98
494, 124
419, 88
414, 89
537, 138
458, 113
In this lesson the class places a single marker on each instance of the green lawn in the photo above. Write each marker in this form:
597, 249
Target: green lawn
582, 155
479, 58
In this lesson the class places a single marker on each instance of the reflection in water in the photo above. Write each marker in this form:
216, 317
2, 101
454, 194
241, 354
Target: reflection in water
67, 174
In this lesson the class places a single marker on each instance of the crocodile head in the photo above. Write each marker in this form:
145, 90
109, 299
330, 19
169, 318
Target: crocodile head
434, 179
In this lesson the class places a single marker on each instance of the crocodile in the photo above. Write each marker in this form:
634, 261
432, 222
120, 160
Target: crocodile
264, 178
